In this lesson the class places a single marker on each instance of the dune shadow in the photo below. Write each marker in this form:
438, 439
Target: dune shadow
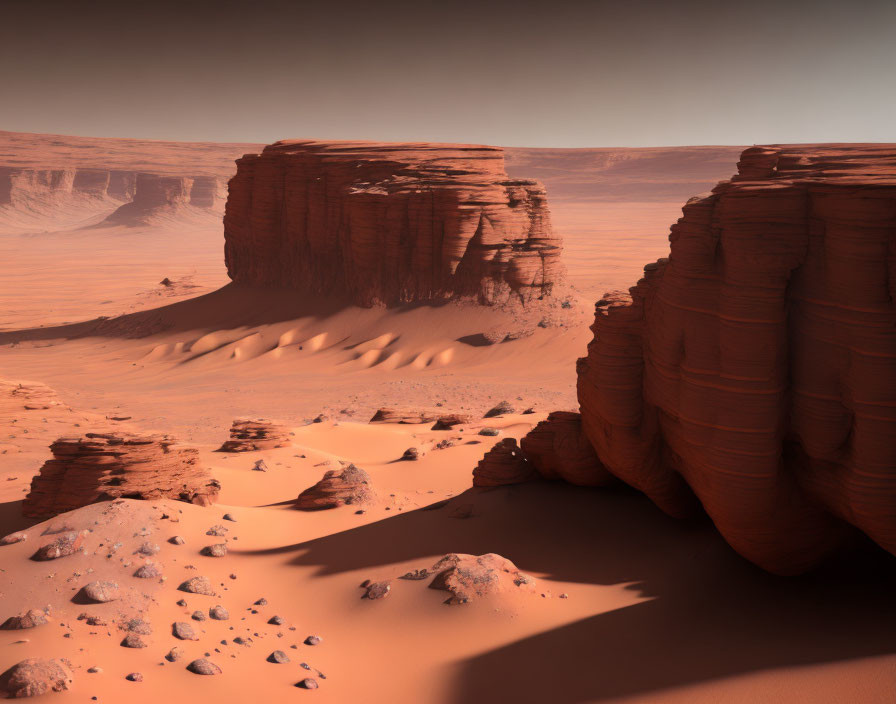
709, 614
231, 306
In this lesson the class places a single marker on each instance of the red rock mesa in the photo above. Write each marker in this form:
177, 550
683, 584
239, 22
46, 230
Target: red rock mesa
754, 371
389, 223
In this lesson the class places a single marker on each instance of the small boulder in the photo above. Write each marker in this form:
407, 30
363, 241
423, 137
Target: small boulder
216, 550
133, 640
101, 591
134, 677
61, 546
278, 657
183, 631
350, 485
218, 613
489, 432
30, 619
307, 683
501, 409
198, 585
36, 676
312, 640
148, 571
204, 667
412, 454
13, 538
260, 466
378, 590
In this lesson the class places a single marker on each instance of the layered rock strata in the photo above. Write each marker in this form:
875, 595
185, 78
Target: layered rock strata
558, 449
389, 223
754, 371
250, 434
104, 466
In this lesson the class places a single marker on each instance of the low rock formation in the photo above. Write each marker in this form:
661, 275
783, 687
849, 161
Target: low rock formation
389, 223
161, 194
449, 420
30, 619
503, 464
339, 487
754, 371
403, 415
103, 466
469, 577
250, 434
36, 676
558, 449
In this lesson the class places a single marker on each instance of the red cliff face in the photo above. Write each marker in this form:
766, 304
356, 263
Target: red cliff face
389, 223
754, 371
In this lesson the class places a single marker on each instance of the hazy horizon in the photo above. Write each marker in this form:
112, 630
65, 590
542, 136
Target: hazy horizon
514, 74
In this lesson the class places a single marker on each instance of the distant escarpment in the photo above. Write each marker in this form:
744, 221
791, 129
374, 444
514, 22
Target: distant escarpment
389, 223
753, 372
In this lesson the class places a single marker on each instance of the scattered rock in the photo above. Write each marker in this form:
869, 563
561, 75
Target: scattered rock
307, 683
176, 540
174, 654
62, 546
416, 575
279, 657
251, 434
218, 613
323, 417
204, 667
260, 466
148, 571
94, 670
134, 677
377, 590
101, 591
489, 432
183, 631
198, 585
447, 422
261, 602
312, 640
229, 517
217, 530
13, 538
501, 409
198, 616
36, 676
216, 550
30, 619
148, 549
133, 640
96, 621
339, 487
412, 454
444, 444
166, 282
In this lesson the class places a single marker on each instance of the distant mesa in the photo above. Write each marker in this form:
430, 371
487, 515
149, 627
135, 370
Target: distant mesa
105, 466
250, 434
389, 223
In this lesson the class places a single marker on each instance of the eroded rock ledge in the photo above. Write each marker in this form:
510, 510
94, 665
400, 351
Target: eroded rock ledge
105, 466
754, 371
389, 223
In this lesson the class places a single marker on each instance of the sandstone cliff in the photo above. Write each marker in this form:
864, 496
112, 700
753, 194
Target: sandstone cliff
754, 371
389, 223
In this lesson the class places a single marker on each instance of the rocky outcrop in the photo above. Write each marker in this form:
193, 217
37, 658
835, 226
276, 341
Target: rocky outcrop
350, 485
389, 223
754, 371
469, 577
105, 466
503, 464
558, 449
403, 415
250, 434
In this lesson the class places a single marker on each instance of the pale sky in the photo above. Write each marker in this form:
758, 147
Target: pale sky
551, 73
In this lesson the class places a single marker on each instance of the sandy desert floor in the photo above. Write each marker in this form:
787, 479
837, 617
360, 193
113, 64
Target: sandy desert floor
652, 610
